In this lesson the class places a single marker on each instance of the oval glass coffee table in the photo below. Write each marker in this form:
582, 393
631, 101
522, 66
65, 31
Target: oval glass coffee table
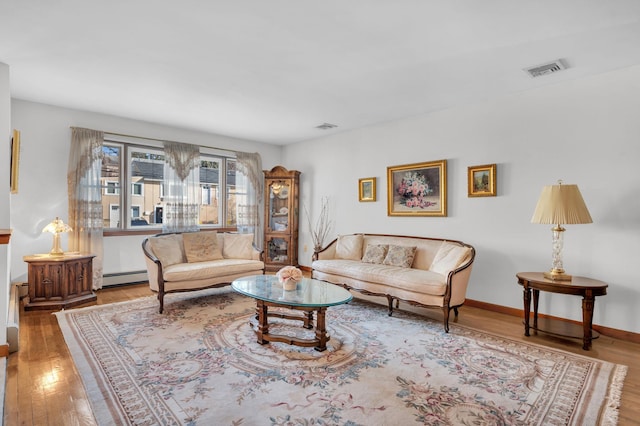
310, 296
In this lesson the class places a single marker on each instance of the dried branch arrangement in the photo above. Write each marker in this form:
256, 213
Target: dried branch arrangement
320, 230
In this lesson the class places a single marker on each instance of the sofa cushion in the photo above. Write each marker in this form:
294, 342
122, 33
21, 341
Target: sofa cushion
375, 253
217, 268
201, 246
349, 247
449, 257
237, 246
168, 249
401, 256
409, 279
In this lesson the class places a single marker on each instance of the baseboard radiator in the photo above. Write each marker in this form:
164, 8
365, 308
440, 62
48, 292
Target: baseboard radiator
120, 278
13, 320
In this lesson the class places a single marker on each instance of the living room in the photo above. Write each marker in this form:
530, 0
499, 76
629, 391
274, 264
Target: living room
582, 130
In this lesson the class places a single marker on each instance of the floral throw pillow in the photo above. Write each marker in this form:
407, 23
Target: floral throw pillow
375, 253
401, 256
201, 246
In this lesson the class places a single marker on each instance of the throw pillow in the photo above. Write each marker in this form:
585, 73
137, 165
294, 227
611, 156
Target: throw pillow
349, 247
401, 256
448, 258
375, 253
201, 246
168, 249
237, 246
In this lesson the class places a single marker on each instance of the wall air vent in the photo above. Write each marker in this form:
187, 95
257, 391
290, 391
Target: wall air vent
326, 126
544, 69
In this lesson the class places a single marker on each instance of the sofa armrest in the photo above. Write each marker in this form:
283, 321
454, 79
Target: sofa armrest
458, 280
257, 254
154, 267
329, 252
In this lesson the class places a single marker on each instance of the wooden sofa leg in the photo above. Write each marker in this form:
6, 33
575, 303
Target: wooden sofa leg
445, 311
390, 300
161, 300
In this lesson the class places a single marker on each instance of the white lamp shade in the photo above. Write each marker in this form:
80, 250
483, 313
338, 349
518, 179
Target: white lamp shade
561, 204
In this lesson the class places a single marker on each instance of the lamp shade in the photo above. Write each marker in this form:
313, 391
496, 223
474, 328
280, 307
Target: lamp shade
57, 226
561, 204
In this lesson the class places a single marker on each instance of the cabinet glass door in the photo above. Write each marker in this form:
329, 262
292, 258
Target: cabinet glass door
278, 250
279, 206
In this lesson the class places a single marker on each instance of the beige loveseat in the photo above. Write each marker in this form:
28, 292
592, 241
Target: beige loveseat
429, 272
196, 260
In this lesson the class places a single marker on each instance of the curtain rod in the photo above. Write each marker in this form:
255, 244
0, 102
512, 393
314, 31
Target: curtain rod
157, 140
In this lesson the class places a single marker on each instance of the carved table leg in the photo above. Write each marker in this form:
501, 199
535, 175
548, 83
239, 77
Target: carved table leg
588, 303
308, 320
536, 297
527, 308
263, 324
321, 331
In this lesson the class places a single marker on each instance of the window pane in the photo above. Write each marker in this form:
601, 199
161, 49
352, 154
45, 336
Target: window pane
146, 172
110, 181
231, 192
137, 188
209, 184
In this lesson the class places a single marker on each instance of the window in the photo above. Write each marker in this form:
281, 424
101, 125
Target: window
133, 176
112, 188
137, 188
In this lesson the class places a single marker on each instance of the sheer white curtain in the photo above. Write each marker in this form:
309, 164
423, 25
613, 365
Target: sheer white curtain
250, 181
85, 196
182, 187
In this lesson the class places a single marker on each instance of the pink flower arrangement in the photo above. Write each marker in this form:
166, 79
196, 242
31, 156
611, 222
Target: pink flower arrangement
414, 189
289, 273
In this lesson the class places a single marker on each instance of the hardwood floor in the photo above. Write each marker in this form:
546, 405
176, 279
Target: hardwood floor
43, 387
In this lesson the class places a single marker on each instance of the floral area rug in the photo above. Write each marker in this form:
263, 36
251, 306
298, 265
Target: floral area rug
199, 364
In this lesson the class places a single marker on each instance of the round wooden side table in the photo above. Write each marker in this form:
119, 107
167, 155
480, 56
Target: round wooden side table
578, 286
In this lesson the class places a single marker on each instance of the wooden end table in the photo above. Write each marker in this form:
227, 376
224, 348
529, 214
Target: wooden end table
579, 286
59, 282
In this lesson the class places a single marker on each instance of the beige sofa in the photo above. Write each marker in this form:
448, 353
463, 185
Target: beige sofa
179, 262
428, 272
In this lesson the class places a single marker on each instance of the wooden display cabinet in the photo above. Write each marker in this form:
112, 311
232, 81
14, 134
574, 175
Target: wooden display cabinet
281, 218
58, 282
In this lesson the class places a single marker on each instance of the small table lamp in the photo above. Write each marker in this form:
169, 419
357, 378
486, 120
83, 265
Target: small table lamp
56, 228
560, 204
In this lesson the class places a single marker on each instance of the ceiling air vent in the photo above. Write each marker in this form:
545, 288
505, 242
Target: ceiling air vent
326, 126
550, 68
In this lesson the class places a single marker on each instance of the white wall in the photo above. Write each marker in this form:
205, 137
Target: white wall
45, 141
5, 196
585, 132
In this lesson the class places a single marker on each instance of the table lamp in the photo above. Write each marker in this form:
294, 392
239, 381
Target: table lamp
56, 228
560, 205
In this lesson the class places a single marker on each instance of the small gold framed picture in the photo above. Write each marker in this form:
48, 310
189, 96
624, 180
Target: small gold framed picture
482, 180
367, 189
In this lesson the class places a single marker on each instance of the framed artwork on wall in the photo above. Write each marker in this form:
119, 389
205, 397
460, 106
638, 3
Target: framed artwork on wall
367, 189
482, 181
15, 161
418, 189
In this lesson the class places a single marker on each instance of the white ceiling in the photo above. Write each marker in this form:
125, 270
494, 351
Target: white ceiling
272, 71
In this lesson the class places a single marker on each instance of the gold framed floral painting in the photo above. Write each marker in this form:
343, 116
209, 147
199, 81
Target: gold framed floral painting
15, 161
367, 189
418, 189
482, 180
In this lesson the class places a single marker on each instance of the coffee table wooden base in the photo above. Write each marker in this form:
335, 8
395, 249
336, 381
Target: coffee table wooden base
262, 329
